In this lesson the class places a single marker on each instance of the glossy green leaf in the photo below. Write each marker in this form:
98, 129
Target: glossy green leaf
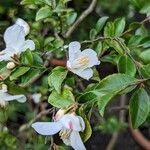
57, 77
106, 89
126, 65
19, 72
109, 30
62, 100
93, 33
119, 26
43, 13
100, 23
145, 56
139, 107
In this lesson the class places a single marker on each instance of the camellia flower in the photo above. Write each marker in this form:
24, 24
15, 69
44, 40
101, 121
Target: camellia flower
80, 62
5, 97
14, 38
68, 127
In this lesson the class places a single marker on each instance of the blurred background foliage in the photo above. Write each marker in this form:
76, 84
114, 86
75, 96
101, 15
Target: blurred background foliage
55, 24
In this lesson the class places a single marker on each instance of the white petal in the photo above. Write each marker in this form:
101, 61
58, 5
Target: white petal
6, 54
14, 37
74, 50
67, 141
47, 128
36, 97
92, 55
70, 121
8, 97
28, 44
76, 141
85, 74
23, 24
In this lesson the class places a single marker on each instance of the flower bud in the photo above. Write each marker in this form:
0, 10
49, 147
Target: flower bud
10, 65
4, 87
60, 113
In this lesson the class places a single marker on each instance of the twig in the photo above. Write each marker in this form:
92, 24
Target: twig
121, 119
118, 108
139, 138
42, 113
146, 19
81, 18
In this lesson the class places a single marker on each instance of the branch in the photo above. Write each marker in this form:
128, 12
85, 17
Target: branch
139, 138
42, 113
81, 18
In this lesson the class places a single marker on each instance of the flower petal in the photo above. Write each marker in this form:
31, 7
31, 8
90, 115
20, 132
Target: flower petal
70, 121
47, 128
85, 74
23, 24
8, 97
92, 55
14, 37
76, 141
6, 54
28, 44
74, 50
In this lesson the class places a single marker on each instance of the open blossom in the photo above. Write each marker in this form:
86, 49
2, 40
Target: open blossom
14, 38
80, 62
5, 97
68, 127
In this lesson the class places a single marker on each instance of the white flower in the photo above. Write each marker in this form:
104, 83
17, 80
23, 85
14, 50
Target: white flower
14, 38
4, 96
68, 127
80, 62
36, 97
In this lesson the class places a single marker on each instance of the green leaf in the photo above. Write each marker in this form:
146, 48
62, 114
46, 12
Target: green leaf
114, 44
100, 23
29, 76
126, 65
57, 77
93, 33
4, 73
63, 100
145, 56
43, 13
106, 89
19, 72
37, 60
139, 107
86, 134
71, 17
109, 30
27, 58
97, 47
27, 2
119, 26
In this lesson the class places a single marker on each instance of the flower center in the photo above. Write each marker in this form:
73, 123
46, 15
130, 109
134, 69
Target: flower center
83, 60
65, 133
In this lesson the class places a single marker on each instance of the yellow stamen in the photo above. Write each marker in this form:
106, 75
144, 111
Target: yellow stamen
83, 60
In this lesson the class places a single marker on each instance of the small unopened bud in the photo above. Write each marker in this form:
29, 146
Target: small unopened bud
4, 87
3, 103
60, 113
10, 65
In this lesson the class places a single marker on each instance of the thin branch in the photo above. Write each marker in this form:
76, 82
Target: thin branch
38, 116
139, 138
146, 19
81, 18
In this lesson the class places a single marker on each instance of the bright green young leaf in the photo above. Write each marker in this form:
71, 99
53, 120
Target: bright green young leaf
119, 26
109, 30
71, 17
139, 107
19, 72
56, 78
126, 65
27, 2
37, 60
27, 58
100, 23
62, 100
43, 13
4, 73
97, 47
